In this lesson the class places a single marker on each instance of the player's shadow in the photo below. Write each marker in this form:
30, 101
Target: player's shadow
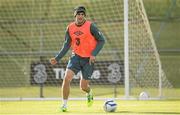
168, 113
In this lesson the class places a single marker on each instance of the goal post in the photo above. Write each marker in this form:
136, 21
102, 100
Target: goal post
142, 61
126, 49
32, 31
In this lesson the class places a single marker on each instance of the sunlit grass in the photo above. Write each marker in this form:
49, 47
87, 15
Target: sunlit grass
80, 108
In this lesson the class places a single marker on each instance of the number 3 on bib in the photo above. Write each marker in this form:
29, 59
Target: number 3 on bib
77, 41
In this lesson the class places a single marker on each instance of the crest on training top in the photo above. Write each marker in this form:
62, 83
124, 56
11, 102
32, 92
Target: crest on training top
78, 33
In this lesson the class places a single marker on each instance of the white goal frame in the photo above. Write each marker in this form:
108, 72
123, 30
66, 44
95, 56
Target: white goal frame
126, 51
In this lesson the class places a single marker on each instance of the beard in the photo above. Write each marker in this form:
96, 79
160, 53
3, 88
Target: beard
80, 21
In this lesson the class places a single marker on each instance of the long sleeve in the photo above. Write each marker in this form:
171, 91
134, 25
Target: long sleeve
99, 37
66, 46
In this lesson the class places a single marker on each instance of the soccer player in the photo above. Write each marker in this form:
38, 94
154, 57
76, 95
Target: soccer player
86, 41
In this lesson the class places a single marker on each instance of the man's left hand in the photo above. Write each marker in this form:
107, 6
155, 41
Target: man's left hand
92, 59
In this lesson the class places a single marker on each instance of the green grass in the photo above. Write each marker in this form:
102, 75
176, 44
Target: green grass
168, 35
100, 91
80, 108
171, 66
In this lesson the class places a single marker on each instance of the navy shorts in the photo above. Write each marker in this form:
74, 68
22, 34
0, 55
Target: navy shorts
77, 64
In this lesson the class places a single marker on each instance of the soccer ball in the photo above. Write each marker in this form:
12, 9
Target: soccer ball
110, 106
143, 96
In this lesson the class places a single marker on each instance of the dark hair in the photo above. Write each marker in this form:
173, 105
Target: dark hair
79, 9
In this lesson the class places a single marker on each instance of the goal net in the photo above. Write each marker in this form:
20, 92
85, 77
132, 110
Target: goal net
32, 31
144, 66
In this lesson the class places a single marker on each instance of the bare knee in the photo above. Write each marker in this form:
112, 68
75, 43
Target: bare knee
68, 77
66, 80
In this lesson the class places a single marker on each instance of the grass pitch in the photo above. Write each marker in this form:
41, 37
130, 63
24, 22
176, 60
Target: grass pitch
170, 107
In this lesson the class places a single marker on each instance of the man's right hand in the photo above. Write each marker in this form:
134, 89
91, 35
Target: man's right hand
53, 61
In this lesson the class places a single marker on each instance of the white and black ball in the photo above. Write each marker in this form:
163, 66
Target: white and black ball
110, 106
